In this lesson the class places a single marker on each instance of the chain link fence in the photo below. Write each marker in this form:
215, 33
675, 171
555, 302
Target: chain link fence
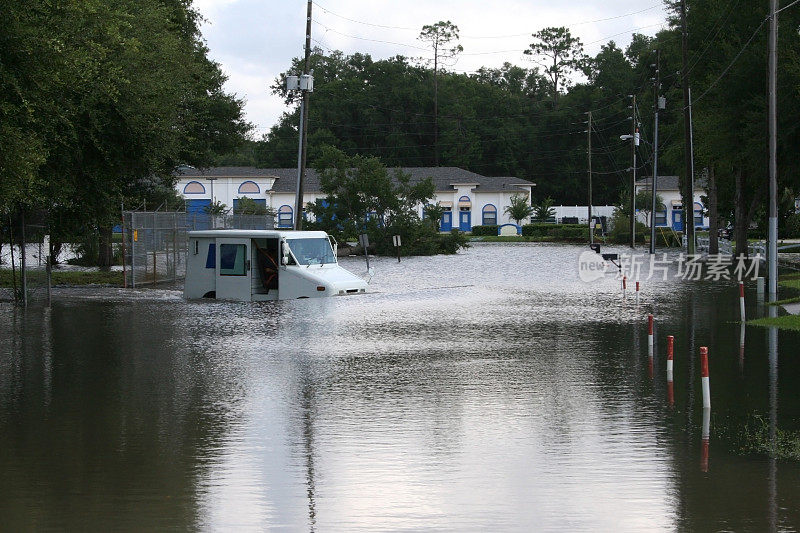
154, 242
23, 267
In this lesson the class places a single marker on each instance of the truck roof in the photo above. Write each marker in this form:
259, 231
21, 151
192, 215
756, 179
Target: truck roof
257, 233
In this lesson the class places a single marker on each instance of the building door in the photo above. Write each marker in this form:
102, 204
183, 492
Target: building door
233, 269
196, 216
677, 220
447, 221
465, 220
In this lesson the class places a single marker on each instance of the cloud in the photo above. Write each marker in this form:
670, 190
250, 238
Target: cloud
255, 40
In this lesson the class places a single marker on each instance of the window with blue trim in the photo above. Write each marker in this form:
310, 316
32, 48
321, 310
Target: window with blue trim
698, 214
249, 187
489, 215
285, 216
194, 187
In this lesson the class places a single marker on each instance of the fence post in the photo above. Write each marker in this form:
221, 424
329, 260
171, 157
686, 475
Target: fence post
124, 272
23, 261
133, 251
174, 248
48, 272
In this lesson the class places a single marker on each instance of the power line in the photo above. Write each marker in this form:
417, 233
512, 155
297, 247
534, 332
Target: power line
491, 52
733, 61
406, 28
710, 41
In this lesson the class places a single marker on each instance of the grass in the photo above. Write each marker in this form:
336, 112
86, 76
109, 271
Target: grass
753, 438
70, 277
789, 283
791, 322
785, 301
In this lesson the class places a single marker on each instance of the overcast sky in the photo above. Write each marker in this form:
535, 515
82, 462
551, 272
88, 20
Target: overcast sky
255, 40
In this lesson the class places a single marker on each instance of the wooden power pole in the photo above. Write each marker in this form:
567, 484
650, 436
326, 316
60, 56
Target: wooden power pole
589, 155
301, 174
772, 91
687, 191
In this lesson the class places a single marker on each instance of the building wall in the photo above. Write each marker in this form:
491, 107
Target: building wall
672, 199
581, 212
226, 191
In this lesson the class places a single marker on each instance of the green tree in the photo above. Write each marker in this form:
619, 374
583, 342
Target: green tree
433, 214
362, 196
644, 203
439, 37
216, 208
561, 55
247, 206
519, 208
543, 211
100, 101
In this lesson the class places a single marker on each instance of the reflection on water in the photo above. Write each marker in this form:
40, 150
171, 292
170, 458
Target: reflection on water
487, 390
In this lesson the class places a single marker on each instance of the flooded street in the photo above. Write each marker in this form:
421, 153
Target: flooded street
490, 390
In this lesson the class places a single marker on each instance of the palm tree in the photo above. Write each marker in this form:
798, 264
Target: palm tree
519, 209
544, 210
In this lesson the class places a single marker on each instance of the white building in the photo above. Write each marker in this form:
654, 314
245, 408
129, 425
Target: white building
672, 216
469, 199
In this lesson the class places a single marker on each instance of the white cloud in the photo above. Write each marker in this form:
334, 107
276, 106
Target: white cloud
255, 40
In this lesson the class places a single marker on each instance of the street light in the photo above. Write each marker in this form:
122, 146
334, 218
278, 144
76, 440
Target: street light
635, 142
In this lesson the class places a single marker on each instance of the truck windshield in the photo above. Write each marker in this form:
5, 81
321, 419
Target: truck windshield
315, 251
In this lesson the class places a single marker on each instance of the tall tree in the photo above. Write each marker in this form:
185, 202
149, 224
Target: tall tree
440, 37
561, 55
108, 98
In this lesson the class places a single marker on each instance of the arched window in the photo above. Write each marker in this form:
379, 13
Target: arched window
698, 214
194, 187
249, 187
285, 216
489, 215
464, 203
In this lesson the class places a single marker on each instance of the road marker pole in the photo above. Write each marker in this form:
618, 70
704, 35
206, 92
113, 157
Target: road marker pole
706, 432
670, 389
704, 377
741, 300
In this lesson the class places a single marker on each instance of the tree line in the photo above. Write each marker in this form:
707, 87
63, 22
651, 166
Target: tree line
530, 121
100, 100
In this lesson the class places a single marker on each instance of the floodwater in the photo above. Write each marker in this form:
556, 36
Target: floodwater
490, 390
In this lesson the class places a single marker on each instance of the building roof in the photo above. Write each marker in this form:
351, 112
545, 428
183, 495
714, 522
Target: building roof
443, 177
223, 172
668, 183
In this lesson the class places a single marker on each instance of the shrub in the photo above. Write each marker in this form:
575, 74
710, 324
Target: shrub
792, 226
484, 231
561, 232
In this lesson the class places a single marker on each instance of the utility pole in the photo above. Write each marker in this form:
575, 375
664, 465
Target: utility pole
772, 253
688, 187
654, 184
301, 167
634, 143
589, 155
